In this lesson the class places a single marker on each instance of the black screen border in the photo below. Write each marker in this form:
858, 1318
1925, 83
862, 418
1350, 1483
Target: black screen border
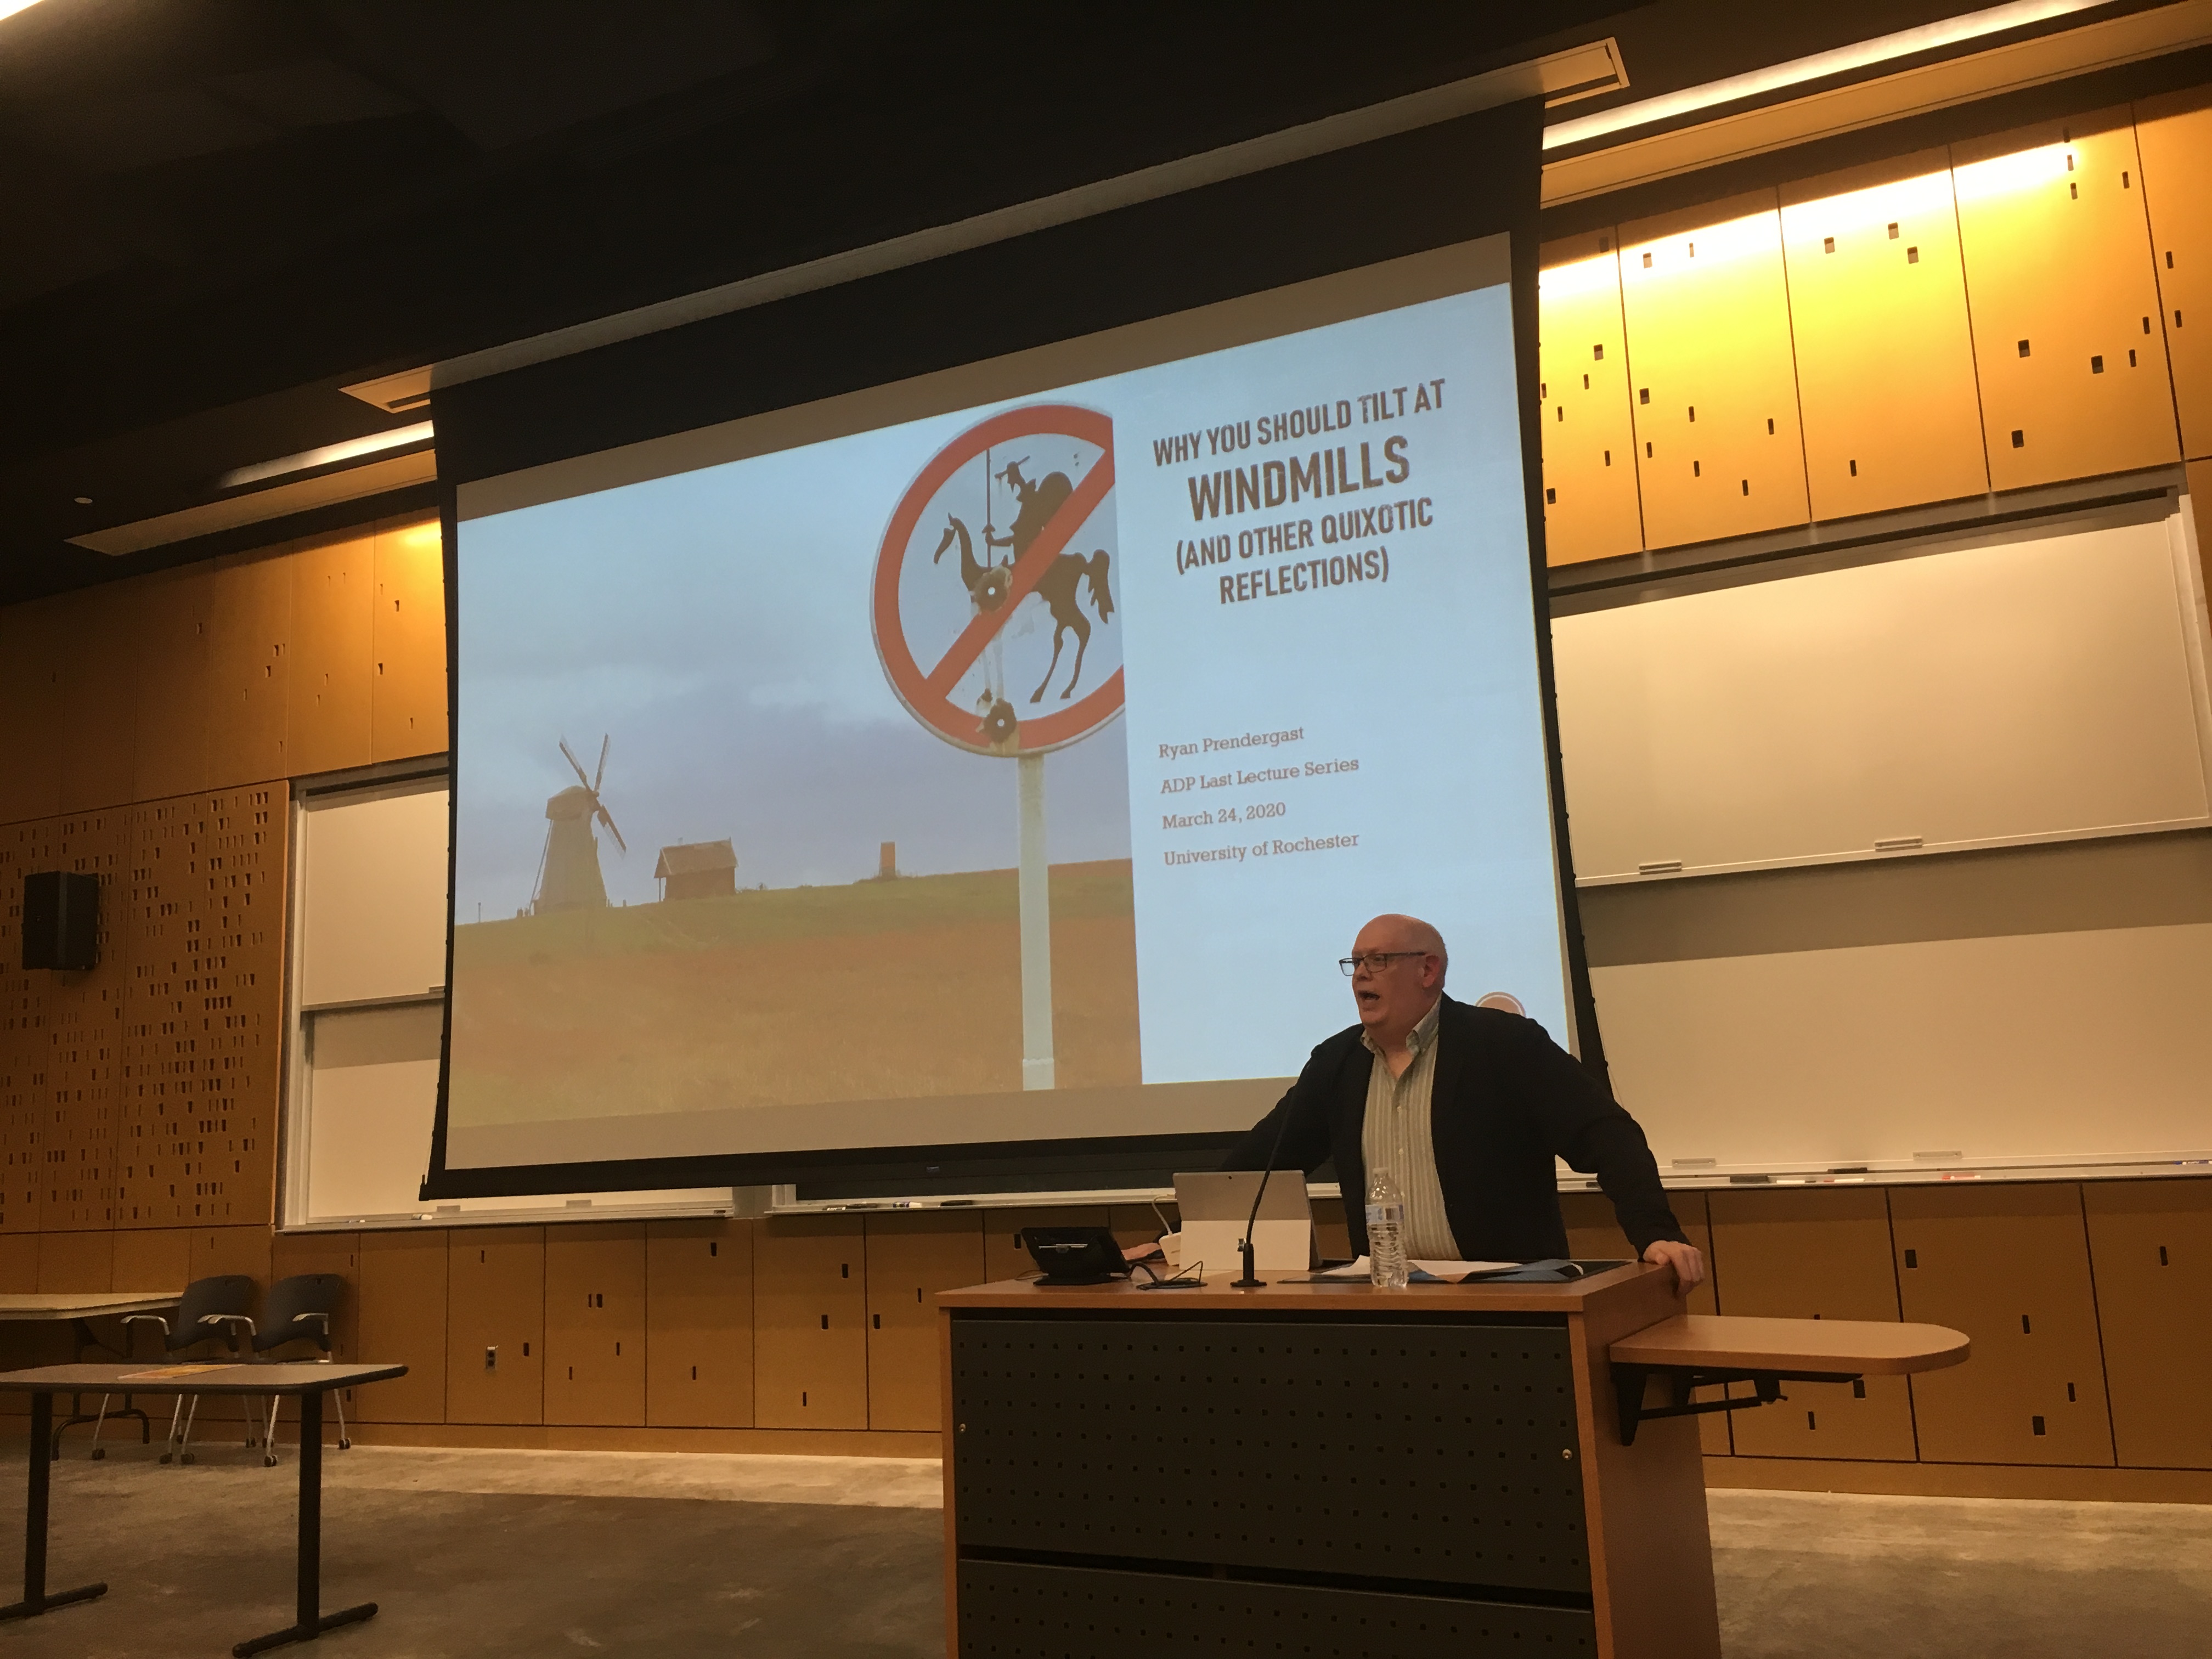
1456, 181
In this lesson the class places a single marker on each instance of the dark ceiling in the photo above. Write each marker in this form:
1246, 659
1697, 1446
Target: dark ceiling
218, 212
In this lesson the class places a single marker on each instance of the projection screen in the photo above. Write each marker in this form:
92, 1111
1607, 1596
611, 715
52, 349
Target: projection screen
956, 779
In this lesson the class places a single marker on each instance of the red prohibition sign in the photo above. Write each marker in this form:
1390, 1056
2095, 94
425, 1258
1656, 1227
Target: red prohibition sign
927, 693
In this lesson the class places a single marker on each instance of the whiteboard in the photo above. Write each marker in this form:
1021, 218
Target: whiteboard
368, 970
2071, 1047
372, 912
2045, 687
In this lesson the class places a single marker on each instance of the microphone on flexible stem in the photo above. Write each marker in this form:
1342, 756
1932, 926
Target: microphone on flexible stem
1252, 1281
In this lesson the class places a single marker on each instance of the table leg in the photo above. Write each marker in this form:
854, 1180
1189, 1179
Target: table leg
310, 1621
35, 1600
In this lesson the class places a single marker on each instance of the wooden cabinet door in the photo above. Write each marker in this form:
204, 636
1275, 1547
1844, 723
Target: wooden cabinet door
910, 1259
699, 1324
1808, 1255
2009, 1266
595, 1322
495, 1325
402, 1322
810, 1318
2174, 135
1885, 354
1707, 309
1590, 505
407, 677
2065, 304
2151, 1244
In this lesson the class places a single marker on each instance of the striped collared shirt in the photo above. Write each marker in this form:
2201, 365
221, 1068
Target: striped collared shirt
1395, 1137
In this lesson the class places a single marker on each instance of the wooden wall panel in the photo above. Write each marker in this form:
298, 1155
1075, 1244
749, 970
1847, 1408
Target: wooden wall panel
203, 1021
1590, 506
1718, 450
402, 1322
18, 1264
810, 1319
407, 683
22, 1041
76, 1262
699, 1324
910, 1259
495, 1325
249, 672
326, 717
248, 1250
1004, 1256
97, 681
30, 693
2072, 362
1815, 1254
595, 1322
84, 1057
166, 618
2173, 135
2150, 1242
2009, 1266
1884, 352
153, 1258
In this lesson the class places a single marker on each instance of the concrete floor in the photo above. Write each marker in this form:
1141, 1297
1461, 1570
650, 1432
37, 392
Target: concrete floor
499, 1553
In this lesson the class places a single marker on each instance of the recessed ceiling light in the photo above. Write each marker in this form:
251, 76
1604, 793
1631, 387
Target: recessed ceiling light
81, 500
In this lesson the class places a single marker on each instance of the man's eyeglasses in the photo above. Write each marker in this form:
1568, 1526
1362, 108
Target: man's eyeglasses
1374, 961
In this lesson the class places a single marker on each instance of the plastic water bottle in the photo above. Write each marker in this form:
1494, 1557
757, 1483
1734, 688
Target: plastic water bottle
1386, 1231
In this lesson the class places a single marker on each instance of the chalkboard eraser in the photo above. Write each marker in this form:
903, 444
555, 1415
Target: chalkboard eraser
1659, 868
1849, 1169
954, 1203
1751, 1181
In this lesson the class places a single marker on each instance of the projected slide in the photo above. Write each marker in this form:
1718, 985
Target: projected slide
1017, 772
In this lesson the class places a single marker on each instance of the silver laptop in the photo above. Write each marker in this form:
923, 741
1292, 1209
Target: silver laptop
1213, 1205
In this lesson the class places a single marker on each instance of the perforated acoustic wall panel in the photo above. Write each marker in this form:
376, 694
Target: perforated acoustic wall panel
1023, 1610
1433, 1451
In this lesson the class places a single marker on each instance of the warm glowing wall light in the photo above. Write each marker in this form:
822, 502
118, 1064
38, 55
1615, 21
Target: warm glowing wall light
1703, 248
1857, 209
2025, 169
1579, 277
9, 7
1928, 37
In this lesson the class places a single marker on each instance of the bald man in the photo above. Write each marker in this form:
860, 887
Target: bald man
1467, 1107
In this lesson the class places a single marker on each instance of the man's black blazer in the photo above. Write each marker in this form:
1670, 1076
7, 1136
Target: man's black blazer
1505, 1101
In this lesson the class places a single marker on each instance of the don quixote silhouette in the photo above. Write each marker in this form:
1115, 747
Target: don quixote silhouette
1060, 586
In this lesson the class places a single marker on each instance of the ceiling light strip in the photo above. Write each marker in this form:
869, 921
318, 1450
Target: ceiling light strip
352, 449
2129, 39
352, 484
1842, 60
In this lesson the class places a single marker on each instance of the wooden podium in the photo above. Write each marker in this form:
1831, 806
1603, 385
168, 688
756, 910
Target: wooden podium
1331, 1469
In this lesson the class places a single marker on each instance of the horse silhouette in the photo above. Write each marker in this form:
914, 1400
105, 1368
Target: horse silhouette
1060, 587
1057, 588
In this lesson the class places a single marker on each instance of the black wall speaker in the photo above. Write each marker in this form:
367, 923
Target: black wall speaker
61, 921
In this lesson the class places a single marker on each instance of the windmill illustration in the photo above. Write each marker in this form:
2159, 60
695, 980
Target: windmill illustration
568, 872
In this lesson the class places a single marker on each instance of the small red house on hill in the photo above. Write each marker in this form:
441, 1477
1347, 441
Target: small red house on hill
703, 869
